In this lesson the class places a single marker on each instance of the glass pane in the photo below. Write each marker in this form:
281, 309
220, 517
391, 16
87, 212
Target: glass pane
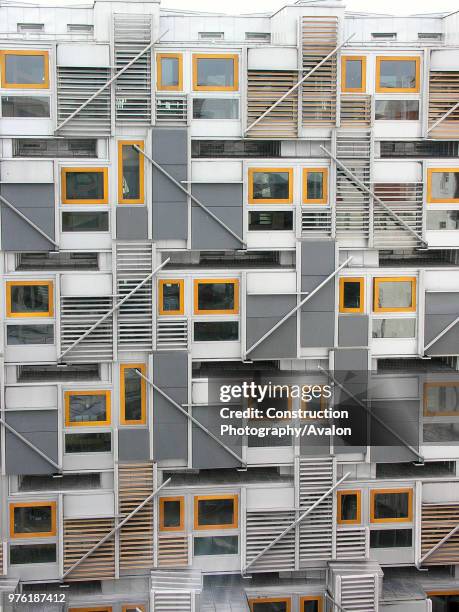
216, 296
445, 185
271, 606
315, 186
169, 71
348, 507
216, 545
25, 106
131, 173
351, 294
396, 294
215, 108
85, 221
35, 553
33, 519
215, 72
310, 605
30, 334
132, 395
84, 185
391, 538
397, 74
443, 220
215, 512
211, 331
269, 221
171, 513
87, 408
88, 443
397, 110
25, 69
394, 328
442, 399
441, 433
353, 74
270, 185
171, 297
391, 505
29, 299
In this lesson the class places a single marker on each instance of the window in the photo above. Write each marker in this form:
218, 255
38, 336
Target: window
55, 147
441, 220
31, 27
349, 507
88, 442
216, 512
430, 36
24, 69
315, 185
133, 608
270, 220
169, 67
215, 72
215, 331
396, 110
52, 373
391, 505
25, 106
216, 545
215, 108
171, 297
130, 172
47, 482
311, 603
353, 74
211, 35
89, 221
270, 185
258, 36
84, 185
270, 604
391, 538
429, 148
394, 328
171, 513
395, 294
32, 553
92, 609
87, 408
80, 28
397, 74
441, 399
384, 35
29, 299
216, 296
351, 294
235, 148
443, 185
29, 334
133, 394
33, 520
444, 601
57, 260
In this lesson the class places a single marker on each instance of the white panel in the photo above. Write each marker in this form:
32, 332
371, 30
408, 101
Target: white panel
273, 58
271, 282
394, 346
436, 492
270, 455
93, 505
394, 387
21, 126
215, 127
79, 241
394, 172
31, 397
280, 240
443, 238
29, 353
441, 280
20, 171
216, 350
88, 461
216, 171
269, 498
89, 56
200, 391
86, 285
397, 129
444, 59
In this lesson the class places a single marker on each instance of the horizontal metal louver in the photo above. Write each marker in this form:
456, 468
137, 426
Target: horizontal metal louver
173, 601
316, 221
173, 551
79, 536
175, 590
352, 543
438, 520
355, 111
405, 199
443, 96
172, 334
262, 527
171, 110
358, 593
75, 86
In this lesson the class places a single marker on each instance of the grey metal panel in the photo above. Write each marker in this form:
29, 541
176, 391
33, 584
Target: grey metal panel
317, 329
225, 201
38, 426
351, 359
323, 300
317, 257
133, 444
207, 454
131, 222
170, 145
36, 202
169, 221
263, 312
442, 303
403, 417
353, 330
449, 343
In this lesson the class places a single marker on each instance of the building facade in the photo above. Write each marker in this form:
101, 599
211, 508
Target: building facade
190, 200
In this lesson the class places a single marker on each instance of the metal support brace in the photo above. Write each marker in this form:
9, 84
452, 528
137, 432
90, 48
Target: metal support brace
437, 545
296, 522
292, 89
442, 333
112, 310
108, 83
367, 410
447, 114
30, 445
335, 603
188, 193
191, 418
297, 307
116, 528
375, 197
27, 220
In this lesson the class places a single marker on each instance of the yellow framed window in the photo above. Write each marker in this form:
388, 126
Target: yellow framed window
216, 296
351, 294
444, 600
131, 172
443, 185
33, 520
397, 74
84, 185
312, 603
92, 609
133, 394
391, 505
172, 513
171, 297
315, 185
441, 399
270, 185
87, 408
349, 507
134, 608
29, 299
353, 73
24, 69
169, 72
396, 294
215, 72
270, 604
216, 511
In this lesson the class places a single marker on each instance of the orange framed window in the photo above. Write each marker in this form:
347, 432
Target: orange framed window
131, 172
396, 294
92, 609
270, 604
84, 185
216, 511
133, 394
216, 296
33, 520
171, 296
351, 294
26, 299
172, 513
401, 74
442, 185
270, 185
353, 73
169, 71
215, 72
315, 185
312, 603
349, 507
391, 505
87, 408
134, 608
24, 69
441, 399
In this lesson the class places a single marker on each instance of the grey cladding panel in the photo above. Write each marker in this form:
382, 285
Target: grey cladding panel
207, 454
353, 330
40, 428
170, 146
441, 310
324, 299
442, 303
317, 257
263, 312
317, 329
131, 222
133, 444
224, 200
351, 359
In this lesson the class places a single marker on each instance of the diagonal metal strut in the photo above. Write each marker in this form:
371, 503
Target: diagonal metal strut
30, 445
447, 114
442, 333
28, 221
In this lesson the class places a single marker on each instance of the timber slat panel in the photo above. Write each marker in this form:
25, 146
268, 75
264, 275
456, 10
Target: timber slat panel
355, 111
80, 535
173, 551
437, 521
443, 95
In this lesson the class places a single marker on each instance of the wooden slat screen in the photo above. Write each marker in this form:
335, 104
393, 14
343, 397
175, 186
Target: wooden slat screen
437, 521
443, 95
80, 535
173, 551
355, 111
